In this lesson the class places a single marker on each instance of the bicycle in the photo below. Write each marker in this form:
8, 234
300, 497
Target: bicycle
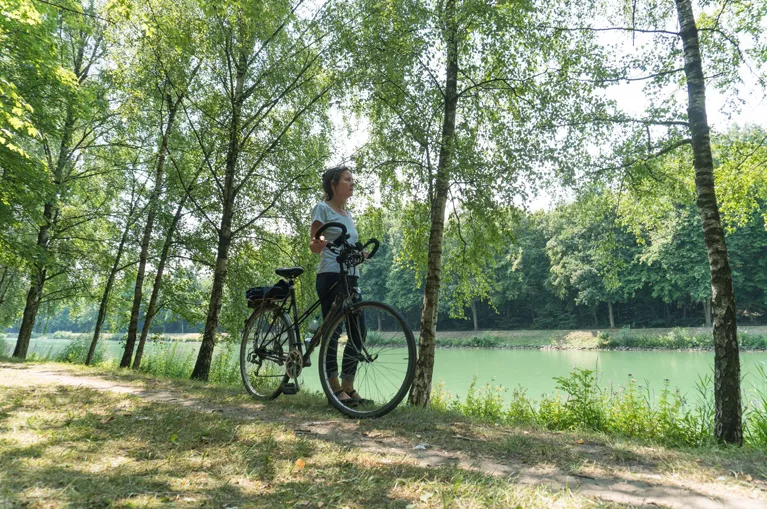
272, 356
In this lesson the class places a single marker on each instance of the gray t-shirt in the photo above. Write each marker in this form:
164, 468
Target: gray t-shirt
324, 213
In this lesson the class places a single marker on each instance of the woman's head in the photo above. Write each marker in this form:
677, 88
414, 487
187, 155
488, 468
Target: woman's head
338, 182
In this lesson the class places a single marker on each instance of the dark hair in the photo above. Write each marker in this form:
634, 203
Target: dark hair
329, 177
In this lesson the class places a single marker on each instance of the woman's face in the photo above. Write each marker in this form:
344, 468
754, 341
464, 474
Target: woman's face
344, 189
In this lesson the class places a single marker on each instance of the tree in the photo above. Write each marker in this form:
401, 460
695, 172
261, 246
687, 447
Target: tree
266, 85
592, 254
66, 130
451, 107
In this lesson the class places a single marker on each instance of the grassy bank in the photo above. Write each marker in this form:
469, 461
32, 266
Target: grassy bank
750, 338
74, 446
628, 410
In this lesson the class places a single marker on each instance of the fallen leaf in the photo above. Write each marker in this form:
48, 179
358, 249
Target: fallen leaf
300, 464
108, 419
580, 441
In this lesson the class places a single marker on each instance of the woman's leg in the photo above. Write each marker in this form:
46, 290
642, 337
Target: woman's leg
356, 336
327, 293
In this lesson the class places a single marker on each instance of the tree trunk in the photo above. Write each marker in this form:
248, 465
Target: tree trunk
612, 315
107, 290
50, 212
379, 322
594, 314
30, 314
5, 284
205, 356
474, 315
421, 390
144, 254
152, 307
707, 312
728, 412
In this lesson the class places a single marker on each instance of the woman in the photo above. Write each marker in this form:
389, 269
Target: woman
338, 184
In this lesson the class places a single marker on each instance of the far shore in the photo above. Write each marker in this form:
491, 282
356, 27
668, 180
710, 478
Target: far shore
752, 338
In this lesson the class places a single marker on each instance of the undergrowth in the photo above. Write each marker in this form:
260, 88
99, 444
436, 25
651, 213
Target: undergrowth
630, 410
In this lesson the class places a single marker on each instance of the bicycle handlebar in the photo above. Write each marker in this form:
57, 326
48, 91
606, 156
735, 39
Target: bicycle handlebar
344, 236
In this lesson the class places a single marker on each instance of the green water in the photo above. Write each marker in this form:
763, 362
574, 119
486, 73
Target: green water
535, 369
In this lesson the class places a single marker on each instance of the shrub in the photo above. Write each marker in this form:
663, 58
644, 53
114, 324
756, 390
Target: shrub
65, 334
603, 340
76, 352
583, 404
521, 409
752, 341
5, 347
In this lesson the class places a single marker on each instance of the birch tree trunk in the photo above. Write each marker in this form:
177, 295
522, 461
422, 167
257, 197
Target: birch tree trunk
612, 315
107, 290
50, 212
421, 390
727, 401
149, 226
151, 309
205, 356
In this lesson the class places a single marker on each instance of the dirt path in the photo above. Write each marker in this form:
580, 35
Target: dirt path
651, 491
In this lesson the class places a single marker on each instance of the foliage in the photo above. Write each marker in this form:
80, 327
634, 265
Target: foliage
76, 351
580, 404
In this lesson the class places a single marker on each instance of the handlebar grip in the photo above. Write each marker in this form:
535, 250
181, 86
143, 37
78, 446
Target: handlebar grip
375, 247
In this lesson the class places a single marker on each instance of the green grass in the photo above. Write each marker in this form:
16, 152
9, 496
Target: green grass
75, 447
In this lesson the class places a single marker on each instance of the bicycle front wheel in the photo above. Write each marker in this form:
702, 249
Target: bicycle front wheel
264, 350
371, 344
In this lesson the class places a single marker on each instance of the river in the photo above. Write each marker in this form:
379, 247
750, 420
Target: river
535, 369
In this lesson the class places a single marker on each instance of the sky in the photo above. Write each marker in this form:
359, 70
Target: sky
351, 134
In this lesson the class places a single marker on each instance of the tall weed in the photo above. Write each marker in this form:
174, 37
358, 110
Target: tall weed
224, 368
485, 403
166, 359
583, 404
756, 422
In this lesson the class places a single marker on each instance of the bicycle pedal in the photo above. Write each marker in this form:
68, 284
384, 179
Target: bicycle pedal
289, 388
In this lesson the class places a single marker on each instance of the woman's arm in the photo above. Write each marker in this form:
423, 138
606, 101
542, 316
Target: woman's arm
315, 245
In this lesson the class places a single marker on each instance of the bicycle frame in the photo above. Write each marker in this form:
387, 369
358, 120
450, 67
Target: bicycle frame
340, 305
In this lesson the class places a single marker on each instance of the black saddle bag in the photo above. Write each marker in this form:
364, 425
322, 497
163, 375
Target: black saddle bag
280, 291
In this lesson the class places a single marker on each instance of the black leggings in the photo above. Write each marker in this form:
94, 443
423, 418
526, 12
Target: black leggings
328, 286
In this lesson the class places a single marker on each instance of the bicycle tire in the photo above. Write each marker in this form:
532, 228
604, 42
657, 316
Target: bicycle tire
384, 370
266, 341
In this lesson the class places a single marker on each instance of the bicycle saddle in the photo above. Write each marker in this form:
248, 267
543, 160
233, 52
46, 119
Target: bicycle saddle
290, 272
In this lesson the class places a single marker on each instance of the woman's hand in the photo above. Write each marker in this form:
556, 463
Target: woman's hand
317, 245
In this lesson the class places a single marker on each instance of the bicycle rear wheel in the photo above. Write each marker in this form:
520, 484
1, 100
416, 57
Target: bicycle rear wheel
264, 349
382, 361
